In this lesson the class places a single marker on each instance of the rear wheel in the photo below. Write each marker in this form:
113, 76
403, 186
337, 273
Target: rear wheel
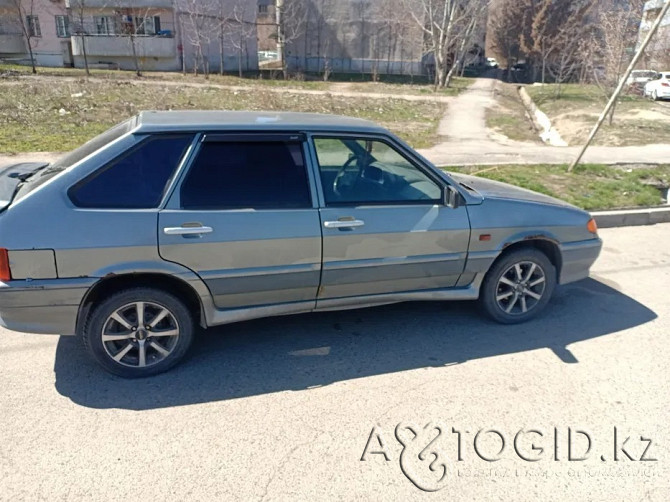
139, 332
518, 286
654, 95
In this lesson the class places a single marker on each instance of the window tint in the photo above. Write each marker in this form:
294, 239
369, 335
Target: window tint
370, 171
135, 180
241, 175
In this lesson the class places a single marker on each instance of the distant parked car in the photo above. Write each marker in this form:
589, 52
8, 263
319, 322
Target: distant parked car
491, 63
173, 220
641, 77
659, 88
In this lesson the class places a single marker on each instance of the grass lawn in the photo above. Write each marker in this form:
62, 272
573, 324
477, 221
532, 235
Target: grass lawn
589, 186
392, 84
508, 117
31, 119
637, 121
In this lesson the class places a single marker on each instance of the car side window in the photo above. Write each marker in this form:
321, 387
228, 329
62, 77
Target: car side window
135, 180
360, 171
247, 175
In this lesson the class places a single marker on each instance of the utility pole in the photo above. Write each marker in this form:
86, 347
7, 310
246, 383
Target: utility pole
622, 82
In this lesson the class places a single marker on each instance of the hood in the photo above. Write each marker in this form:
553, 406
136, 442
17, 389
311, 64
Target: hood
12, 176
499, 190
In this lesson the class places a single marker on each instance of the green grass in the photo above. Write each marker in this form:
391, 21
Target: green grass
30, 120
589, 186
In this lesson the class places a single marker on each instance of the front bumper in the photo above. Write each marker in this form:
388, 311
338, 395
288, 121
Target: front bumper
577, 258
42, 306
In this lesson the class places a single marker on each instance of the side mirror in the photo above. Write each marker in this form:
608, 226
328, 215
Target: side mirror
452, 198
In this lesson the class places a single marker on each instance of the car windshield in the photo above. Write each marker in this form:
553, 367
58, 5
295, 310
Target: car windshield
71, 158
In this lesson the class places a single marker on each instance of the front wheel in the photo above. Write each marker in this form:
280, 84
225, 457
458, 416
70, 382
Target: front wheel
139, 332
518, 286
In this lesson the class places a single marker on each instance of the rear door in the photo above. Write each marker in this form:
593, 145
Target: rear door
385, 228
243, 218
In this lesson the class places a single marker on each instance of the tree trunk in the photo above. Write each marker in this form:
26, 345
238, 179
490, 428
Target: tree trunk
32, 57
83, 51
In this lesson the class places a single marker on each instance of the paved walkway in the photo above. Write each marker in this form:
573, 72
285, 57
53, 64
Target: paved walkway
466, 139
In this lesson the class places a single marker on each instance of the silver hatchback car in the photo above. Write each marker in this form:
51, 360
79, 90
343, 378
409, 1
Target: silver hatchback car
173, 220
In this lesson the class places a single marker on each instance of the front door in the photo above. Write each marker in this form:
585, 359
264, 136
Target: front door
243, 219
385, 228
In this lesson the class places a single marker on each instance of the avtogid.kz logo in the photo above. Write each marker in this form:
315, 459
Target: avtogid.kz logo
424, 460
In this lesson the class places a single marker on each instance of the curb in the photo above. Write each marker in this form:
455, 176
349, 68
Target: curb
632, 217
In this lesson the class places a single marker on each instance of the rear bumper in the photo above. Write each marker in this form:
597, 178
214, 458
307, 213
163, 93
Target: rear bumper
42, 306
577, 258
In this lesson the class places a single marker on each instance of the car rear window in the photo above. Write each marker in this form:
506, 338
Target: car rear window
247, 175
135, 180
70, 159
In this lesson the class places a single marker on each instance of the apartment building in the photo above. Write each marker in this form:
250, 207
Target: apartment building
266, 25
657, 54
165, 35
42, 22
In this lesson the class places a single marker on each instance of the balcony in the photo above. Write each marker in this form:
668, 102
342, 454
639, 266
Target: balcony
12, 43
119, 4
120, 46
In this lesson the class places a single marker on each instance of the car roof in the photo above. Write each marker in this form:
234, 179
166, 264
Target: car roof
204, 120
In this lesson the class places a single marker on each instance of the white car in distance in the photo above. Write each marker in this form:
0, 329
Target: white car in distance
658, 88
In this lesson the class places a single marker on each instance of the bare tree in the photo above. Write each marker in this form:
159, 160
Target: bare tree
23, 12
238, 30
505, 24
77, 11
291, 17
618, 23
445, 24
199, 27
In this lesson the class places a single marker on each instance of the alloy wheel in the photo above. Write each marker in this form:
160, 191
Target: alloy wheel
520, 288
140, 334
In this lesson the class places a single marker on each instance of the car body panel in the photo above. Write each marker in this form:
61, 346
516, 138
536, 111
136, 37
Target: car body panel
659, 87
252, 257
399, 248
262, 263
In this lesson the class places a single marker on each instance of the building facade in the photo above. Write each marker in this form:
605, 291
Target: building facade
355, 36
165, 35
657, 54
42, 23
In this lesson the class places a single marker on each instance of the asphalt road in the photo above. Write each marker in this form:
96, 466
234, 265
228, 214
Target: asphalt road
284, 408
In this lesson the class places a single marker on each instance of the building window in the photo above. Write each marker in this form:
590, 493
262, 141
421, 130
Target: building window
62, 26
147, 25
33, 24
104, 25
262, 9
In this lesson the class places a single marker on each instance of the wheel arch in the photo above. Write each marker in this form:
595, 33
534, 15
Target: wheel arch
546, 245
113, 283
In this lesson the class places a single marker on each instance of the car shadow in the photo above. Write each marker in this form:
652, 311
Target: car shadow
305, 351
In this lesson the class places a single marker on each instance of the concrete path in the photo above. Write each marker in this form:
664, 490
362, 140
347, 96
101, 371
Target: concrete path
467, 140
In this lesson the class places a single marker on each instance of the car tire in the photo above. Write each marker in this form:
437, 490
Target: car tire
654, 95
518, 286
131, 349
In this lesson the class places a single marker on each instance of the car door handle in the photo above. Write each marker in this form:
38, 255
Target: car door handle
188, 230
343, 223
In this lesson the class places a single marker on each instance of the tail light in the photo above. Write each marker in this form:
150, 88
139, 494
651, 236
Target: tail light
665, 84
5, 272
